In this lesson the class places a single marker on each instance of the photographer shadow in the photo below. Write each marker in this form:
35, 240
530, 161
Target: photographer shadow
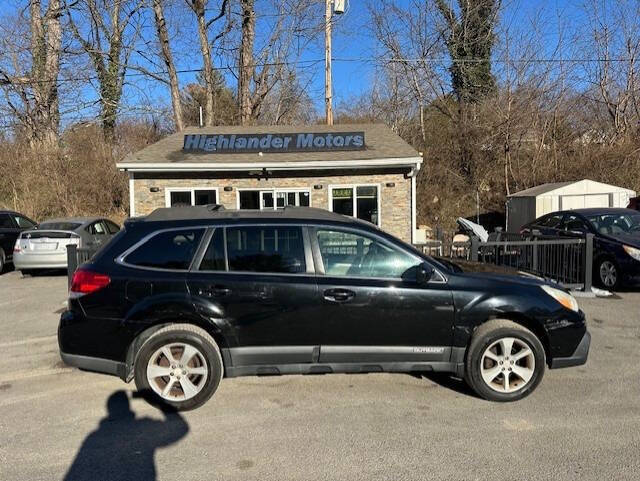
123, 446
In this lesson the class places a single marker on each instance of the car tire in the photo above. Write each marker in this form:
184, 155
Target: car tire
166, 377
498, 375
2, 260
607, 274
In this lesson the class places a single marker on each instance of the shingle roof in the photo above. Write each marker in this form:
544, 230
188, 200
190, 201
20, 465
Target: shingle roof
381, 142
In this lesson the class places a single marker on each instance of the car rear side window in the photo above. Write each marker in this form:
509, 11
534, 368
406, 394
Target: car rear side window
277, 249
5, 222
213, 259
113, 228
167, 250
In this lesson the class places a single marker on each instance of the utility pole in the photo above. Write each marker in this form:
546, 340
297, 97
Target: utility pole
328, 96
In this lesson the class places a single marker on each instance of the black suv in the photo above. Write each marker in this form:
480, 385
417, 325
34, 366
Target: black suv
11, 224
187, 295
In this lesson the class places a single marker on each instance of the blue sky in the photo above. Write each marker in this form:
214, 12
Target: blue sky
352, 40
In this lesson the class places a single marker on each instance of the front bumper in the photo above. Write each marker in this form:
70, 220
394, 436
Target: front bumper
578, 358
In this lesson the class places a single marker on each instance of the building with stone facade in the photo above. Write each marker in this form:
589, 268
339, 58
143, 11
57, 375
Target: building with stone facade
363, 170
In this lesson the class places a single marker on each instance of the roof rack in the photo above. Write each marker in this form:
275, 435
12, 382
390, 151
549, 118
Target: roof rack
219, 212
183, 212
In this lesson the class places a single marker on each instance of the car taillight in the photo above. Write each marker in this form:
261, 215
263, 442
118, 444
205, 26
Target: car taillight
16, 247
86, 282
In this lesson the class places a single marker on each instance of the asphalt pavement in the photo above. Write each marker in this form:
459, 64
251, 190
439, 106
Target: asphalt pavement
60, 423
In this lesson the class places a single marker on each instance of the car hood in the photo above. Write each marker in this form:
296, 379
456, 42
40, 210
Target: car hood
491, 272
629, 239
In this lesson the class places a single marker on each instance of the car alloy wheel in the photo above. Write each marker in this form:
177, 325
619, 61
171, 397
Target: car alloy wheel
608, 274
177, 371
507, 365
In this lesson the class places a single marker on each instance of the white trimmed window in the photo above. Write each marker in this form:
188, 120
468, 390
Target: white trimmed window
357, 200
181, 196
273, 198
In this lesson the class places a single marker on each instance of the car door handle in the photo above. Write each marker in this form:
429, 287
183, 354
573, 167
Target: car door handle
214, 291
339, 295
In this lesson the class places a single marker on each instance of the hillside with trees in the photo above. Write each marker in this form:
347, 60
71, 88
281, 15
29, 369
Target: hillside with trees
496, 101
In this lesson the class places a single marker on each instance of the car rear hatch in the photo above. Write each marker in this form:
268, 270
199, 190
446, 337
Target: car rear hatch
46, 241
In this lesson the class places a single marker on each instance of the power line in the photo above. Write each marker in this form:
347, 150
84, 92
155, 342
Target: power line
444, 60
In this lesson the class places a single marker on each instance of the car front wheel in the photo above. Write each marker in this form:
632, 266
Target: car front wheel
607, 274
179, 366
505, 361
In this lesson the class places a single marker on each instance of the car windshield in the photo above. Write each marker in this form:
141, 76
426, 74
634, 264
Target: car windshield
613, 224
59, 226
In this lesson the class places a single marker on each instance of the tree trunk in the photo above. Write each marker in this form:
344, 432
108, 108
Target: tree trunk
46, 39
246, 67
174, 86
208, 65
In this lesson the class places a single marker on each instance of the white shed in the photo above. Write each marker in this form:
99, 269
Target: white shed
529, 204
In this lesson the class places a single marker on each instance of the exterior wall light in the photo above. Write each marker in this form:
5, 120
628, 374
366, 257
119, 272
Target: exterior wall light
154, 189
317, 186
228, 188
390, 184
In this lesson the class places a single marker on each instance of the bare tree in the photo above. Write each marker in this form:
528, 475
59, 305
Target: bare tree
199, 8
105, 31
289, 26
32, 93
615, 41
167, 57
413, 49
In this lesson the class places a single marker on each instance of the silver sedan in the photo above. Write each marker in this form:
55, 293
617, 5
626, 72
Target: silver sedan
45, 247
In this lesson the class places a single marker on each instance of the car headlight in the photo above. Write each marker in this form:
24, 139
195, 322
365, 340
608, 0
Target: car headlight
632, 251
564, 298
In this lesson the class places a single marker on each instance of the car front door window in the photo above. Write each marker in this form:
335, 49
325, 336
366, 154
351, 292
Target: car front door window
353, 255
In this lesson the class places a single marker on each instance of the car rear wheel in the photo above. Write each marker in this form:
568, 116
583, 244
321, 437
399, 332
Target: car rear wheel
2, 260
608, 274
505, 361
179, 366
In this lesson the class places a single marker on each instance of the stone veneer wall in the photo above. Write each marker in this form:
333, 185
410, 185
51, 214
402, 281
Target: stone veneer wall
395, 201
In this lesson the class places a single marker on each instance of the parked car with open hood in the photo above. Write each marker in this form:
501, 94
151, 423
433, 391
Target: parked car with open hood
616, 242
45, 247
185, 296
11, 224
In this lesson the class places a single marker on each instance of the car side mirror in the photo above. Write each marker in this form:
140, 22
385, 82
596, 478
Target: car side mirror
424, 273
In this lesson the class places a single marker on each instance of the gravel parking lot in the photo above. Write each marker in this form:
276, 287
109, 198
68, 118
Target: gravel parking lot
581, 423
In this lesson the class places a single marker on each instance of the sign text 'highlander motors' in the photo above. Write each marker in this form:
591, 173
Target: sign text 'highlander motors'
270, 143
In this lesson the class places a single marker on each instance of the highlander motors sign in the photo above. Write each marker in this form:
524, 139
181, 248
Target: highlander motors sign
270, 143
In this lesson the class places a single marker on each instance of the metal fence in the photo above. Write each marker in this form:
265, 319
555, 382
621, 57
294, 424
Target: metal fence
77, 257
566, 260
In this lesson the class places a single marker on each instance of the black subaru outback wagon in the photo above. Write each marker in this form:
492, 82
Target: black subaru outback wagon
185, 296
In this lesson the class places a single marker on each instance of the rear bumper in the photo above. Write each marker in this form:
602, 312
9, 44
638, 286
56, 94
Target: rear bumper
578, 358
95, 345
95, 364
40, 261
